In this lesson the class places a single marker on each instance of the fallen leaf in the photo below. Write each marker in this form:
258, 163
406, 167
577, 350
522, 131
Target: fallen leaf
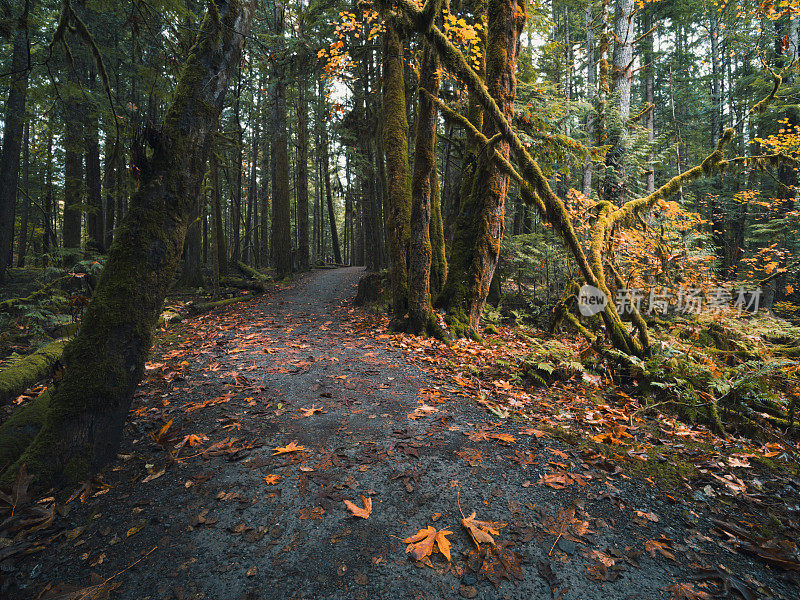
480, 530
653, 546
422, 543
365, 512
557, 481
307, 412
422, 411
272, 478
291, 447
685, 591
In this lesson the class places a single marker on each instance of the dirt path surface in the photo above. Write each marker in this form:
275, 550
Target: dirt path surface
228, 519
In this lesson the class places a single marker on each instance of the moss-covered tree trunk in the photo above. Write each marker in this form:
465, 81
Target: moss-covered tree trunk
398, 192
438, 248
86, 413
480, 223
420, 312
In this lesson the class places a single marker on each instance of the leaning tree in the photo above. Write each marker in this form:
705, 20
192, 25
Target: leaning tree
70, 432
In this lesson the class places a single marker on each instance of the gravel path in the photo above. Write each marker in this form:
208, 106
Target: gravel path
229, 520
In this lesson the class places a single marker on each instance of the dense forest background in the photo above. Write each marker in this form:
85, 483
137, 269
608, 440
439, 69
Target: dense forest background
481, 160
298, 175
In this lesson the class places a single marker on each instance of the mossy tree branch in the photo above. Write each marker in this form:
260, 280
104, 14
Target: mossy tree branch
551, 207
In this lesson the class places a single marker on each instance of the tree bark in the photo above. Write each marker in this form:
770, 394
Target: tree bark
591, 83
302, 174
281, 234
480, 223
621, 71
86, 412
94, 199
26, 200
395, 142
421, 319
14, 120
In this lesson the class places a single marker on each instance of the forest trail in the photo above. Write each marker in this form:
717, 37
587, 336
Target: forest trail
227, 518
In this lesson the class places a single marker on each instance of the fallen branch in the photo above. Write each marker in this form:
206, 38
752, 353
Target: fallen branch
250, 272
242, 284
206, 306
28, 370
12, 303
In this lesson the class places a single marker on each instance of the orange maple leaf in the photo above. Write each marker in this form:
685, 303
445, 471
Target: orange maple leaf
422, 543
557, 481
481, 531
422, 411
307, 412
272, 478
291, 447
356, 511
685, 591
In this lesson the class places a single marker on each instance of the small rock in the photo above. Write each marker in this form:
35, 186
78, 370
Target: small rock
276, 532
566, 546
469, 579
468, 591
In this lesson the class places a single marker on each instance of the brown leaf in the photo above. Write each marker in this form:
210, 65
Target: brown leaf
482, 531
365, 512
653, 546
557, 481
98, 590
19, 493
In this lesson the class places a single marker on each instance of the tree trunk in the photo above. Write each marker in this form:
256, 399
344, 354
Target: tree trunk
395, 142
281, 204
302, 174
421, 319
94, 199
86, 413
26, 198
621, 72
236, 163
219, 254
591, 82
480, 223
649, 90
14, 120
326, 176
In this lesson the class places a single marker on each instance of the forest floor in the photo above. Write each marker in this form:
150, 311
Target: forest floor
211, 498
